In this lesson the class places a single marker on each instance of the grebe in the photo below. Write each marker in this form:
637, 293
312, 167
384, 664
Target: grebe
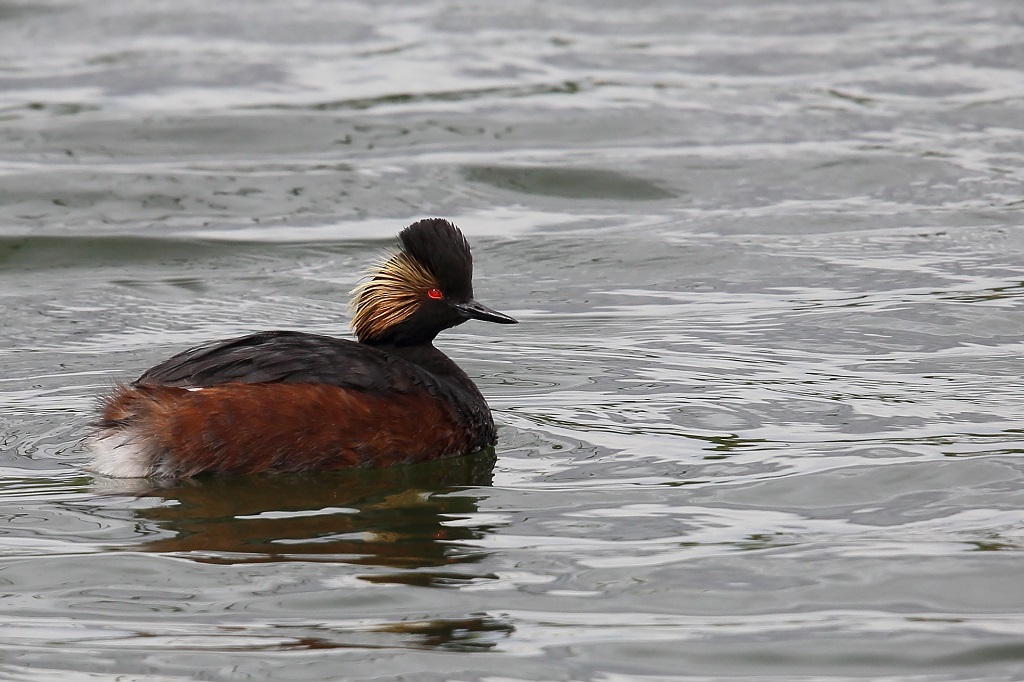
282, 401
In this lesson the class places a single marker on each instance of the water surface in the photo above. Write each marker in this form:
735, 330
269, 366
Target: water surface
761, 418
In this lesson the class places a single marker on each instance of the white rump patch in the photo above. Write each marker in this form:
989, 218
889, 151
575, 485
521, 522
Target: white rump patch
120, 454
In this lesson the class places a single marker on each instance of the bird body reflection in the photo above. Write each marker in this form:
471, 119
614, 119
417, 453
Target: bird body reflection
392, 518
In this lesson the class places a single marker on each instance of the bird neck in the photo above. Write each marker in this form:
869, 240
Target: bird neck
428, 357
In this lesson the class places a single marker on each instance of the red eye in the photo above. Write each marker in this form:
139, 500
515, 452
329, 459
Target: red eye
435, 294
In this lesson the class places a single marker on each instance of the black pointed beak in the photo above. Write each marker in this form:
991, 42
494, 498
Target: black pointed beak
479, 311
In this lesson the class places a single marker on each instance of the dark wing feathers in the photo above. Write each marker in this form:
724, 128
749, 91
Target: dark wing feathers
291, 357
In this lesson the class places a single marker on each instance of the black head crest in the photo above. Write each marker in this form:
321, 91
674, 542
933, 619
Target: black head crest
442, 249
396, 299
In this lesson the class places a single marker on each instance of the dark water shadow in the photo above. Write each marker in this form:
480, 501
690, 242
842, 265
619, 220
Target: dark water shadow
467, 94
398, 517
51, 252
567, 183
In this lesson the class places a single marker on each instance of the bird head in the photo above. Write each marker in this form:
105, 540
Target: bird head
422, 289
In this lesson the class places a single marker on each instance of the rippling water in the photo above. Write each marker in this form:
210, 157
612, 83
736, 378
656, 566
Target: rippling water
762, 418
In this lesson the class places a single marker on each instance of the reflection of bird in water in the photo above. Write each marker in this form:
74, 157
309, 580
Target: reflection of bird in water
462, 634
289, 401
390, 525
392, 517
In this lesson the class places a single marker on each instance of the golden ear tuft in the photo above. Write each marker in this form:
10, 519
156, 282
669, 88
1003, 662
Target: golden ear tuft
392, 293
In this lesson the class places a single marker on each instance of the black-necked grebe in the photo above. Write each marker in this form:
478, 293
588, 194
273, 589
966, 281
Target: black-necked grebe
283, 401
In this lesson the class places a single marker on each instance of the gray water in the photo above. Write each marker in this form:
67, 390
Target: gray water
762, 418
